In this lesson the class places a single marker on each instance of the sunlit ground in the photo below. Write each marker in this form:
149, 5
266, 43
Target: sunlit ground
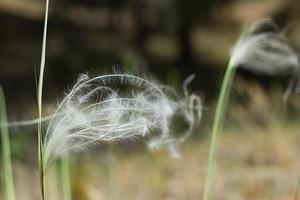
256, 163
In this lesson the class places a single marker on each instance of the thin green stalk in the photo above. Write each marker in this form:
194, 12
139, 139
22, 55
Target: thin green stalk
55, 194
217, 125
9, 190
65, 173
40, 100
110, 173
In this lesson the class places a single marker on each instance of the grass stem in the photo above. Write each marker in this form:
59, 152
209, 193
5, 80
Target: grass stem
110, 172
65, 173
9, 190
39, 99
217, 125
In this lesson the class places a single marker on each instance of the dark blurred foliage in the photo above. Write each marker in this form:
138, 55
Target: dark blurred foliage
168, 38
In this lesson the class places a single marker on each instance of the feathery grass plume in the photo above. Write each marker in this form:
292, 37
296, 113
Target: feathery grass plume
116, 107
267, 52
262, 51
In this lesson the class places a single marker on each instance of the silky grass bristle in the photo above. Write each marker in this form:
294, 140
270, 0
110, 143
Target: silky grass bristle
117, 107
264, 48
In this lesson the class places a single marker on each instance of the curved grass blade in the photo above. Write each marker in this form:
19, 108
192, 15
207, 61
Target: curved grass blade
6, 154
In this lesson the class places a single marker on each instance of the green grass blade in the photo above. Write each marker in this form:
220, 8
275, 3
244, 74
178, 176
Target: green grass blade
6, 154
65, 173
217, 125
110, 172
40, 100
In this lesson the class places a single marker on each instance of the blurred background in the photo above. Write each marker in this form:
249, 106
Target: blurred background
169, 39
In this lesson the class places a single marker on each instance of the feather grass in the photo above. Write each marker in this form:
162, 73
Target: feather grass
267, 52
264, 52
93, 112
9, 190
39, 102
111, 108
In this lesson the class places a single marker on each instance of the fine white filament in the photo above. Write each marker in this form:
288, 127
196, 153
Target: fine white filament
267, 52
117, 107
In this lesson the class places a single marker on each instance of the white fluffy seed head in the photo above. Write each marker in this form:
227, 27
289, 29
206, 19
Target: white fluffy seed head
116, 107
266, 52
